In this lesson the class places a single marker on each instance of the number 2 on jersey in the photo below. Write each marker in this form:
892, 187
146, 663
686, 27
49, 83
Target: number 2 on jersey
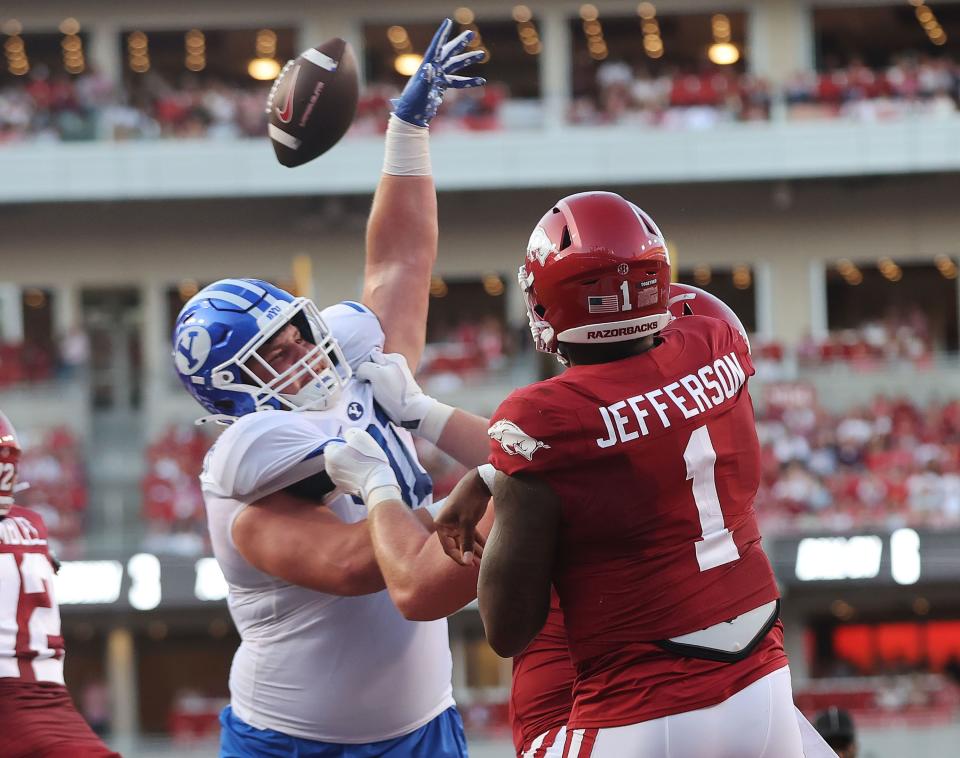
7, 471
717, 546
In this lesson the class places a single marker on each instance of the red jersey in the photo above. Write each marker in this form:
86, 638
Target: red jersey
541, 695
31, 647
37, 716
656, 462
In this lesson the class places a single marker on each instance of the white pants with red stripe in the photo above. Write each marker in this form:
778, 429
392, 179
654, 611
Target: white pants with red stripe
547, 745
759, 721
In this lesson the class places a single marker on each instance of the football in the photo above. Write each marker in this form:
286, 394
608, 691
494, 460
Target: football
312, 102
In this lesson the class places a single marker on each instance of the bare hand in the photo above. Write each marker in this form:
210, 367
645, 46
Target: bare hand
457, 522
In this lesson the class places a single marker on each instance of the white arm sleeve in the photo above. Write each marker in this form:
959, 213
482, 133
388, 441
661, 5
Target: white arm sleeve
263, 453
356, 328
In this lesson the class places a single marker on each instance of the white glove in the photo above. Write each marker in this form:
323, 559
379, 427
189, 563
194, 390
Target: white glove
359, 466
398, 393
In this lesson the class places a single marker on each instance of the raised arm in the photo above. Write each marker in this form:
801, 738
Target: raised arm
402, 228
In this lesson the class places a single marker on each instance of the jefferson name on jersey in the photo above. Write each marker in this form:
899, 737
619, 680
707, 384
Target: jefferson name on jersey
699, 391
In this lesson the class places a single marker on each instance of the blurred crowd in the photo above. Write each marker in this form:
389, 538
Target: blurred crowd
22, 362
473, 346
33, 361
896, 337
48, 105
674, 99
905, 695
911, 84
890, 463
173, 511
53, 466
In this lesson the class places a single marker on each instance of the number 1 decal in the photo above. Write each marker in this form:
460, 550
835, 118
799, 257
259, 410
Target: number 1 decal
625, 289
717, 546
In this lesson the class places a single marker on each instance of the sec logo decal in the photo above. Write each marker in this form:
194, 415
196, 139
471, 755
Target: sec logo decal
354, 411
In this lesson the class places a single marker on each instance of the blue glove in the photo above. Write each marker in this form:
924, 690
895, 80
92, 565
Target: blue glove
423, 94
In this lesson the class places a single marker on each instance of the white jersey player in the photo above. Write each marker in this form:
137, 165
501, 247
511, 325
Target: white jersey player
327, 667
293, 638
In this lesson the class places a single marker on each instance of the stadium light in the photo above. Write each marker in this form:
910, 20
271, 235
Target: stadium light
905, 556
407, 63
266, 43
493, 285
88, 582
646, 10
210, 583
723, 53
195, 45
263, 69
137, 48
652, 42
834, 558
16, 54
69, 26
945, 265
144, 572
399, 39
522, 14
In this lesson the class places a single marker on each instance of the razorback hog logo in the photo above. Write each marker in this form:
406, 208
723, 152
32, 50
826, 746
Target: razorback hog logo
622, 331
514, 440
539, 247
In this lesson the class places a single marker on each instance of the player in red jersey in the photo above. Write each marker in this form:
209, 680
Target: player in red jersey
37, 716
424, 585
424, 588
627, 482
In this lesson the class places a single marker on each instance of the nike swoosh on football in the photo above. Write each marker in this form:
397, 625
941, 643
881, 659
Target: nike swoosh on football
286, 113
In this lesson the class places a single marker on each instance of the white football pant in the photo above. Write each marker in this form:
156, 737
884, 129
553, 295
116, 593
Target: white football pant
760, 721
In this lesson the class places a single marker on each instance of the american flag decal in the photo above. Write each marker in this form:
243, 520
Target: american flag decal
603, 303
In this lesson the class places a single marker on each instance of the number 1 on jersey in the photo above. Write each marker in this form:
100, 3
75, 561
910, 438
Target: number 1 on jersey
717, 546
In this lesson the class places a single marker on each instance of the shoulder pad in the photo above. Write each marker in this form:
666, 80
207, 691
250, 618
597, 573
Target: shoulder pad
260, 452
357, 330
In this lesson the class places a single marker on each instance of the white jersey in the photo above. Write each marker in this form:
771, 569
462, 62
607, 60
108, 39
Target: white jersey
314, 665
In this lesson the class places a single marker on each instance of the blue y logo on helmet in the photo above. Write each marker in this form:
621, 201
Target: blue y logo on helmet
193, 347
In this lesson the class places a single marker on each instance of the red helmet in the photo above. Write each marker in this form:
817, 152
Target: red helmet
597, 270
687, 300
9, 462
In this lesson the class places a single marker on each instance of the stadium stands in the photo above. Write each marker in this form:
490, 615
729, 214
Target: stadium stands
88, 106
54, 467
